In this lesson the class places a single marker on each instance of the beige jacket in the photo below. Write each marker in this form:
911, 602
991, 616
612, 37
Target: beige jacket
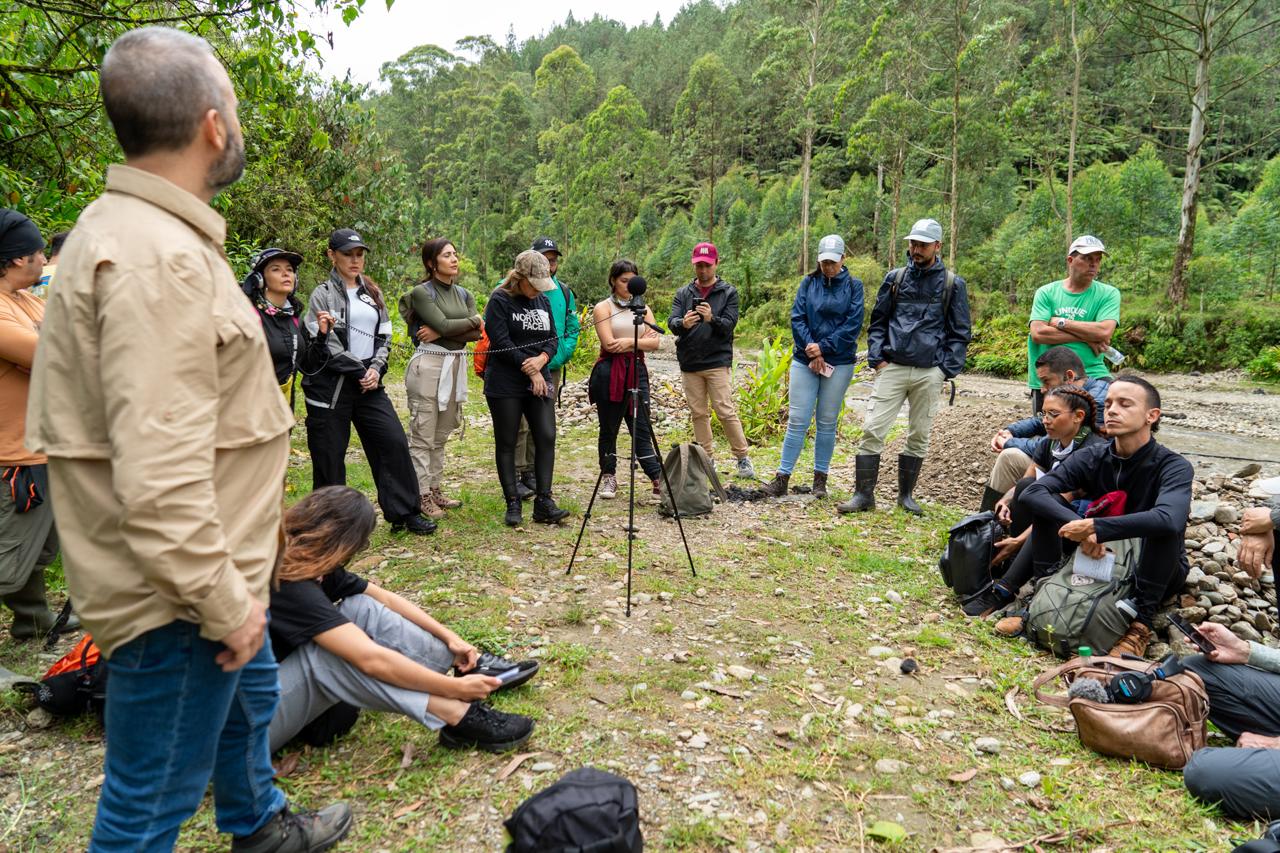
154, 397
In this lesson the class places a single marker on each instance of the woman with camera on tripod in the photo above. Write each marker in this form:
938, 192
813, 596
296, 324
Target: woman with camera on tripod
619, 366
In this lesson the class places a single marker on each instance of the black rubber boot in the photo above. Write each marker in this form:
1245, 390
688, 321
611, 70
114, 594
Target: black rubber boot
908, 473
819, 484
32, 617
777, 487
867, 468
298, 832
990, 497
545, 510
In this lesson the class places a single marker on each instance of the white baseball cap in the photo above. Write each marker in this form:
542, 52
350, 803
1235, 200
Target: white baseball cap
925, 231
830, 248
1086, 244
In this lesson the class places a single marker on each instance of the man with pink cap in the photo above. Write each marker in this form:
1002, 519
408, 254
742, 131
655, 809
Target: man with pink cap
703, 314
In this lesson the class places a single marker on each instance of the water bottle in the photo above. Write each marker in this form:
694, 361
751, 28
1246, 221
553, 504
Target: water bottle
1086, 655
1114, 356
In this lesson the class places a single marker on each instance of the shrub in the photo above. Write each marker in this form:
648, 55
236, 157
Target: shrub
999, 346
1266, 367
762, 399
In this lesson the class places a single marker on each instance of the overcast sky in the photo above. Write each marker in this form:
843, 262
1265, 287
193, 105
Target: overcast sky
379, 36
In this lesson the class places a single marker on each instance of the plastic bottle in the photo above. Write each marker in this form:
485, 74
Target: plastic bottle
1114, 356
1086, 655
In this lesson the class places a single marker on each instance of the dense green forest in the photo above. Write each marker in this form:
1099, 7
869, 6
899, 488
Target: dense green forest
761, 125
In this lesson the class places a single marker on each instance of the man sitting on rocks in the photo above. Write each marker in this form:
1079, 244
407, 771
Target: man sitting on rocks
1244, 701
1018, 443
1156, 483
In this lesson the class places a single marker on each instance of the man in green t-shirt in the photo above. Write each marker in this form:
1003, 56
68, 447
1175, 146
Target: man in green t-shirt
1077, 312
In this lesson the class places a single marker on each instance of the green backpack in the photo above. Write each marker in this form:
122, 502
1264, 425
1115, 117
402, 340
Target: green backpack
1068, 611
691, 477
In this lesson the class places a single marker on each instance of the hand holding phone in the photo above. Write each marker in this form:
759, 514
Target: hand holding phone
1193, 634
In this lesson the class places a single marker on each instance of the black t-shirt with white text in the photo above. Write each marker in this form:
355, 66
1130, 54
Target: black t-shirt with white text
517, 329
302, 609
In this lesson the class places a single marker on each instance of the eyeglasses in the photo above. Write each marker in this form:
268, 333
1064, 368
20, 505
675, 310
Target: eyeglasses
1048, 416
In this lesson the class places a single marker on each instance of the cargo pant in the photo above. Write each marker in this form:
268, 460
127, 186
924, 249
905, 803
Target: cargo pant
920, 387
429, 425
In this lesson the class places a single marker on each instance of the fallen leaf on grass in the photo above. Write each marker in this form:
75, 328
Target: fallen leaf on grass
514, 763
887, 830
409, 809
963, 776
287, 766
1011, 704
406, 755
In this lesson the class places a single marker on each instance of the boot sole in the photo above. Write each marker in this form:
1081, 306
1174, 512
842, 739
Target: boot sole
452, 742
851, 510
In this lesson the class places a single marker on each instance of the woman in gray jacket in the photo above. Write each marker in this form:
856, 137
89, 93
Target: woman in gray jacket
348, 390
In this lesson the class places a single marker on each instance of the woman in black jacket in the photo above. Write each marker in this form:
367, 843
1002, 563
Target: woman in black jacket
522, 339
270, 286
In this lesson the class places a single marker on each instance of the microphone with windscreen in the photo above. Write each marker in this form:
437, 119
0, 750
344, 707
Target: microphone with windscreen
636, 286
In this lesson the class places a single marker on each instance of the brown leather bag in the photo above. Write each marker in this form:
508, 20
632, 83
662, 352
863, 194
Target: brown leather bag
1162, 731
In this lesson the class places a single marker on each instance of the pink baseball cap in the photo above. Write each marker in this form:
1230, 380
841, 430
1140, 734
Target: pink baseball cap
705, 253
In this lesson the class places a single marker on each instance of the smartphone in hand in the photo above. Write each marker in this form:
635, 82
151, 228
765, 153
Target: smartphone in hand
1193, 634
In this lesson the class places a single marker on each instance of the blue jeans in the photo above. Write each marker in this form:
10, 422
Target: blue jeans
810, 391
174, 719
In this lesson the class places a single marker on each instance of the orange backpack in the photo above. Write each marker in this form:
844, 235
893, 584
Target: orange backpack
480, 353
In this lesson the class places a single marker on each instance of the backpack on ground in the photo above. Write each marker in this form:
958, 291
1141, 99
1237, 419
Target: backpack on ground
586, 810
1068, 610
965, 564
689, 481
75, 684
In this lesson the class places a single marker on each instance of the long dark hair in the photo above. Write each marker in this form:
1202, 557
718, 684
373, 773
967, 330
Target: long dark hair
431, 250
621, 267
324, 530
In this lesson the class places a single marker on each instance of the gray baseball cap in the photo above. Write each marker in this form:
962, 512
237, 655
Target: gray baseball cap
830, 248
925, 231
1086, 244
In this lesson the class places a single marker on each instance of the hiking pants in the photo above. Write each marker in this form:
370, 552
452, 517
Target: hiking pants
540, 413
524, 445
1011, 466
921, 388
28, 543
705, 390
1246, 782
429, 425
313, 680
385, 445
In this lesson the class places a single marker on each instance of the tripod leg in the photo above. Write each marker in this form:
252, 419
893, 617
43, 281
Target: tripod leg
675, 510
586, 516
631, 500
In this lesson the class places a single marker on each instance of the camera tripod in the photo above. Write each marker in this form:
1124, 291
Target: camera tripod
640, 408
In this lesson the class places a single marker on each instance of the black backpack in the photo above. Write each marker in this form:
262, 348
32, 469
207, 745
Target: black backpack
586, 811
76, 683
966, 563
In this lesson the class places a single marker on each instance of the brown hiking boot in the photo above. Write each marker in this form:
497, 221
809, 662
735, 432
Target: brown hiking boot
777, 487
1010, 626
429, 508
819, 484
1134, 642
438, 497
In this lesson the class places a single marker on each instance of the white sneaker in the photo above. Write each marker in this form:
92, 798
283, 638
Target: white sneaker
609, 487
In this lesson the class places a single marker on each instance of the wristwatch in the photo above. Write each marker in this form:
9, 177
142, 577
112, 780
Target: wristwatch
1061, 324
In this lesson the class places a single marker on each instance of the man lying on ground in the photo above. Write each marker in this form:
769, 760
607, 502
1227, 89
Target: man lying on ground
339, 638
1019, 442
1156, 483
1244, 700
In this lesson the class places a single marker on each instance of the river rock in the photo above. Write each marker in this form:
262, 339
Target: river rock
1245, 631
1250, 470
1194, 615
889, 765
1203, 510
987, 744
1262, 622
1226, 514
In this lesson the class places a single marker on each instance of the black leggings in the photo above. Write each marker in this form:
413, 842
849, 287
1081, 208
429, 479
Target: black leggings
1031, 561
611, 417
540, 413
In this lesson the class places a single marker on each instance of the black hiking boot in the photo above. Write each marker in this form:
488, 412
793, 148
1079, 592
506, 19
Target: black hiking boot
990, 497
819, 484
908, 473
486, 729
986, 601
867, 467
777, 487
415, 524
545, 510
525, 488
298, 832
515, 513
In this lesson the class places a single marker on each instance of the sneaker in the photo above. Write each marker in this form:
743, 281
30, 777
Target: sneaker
298, 831
986, 601
745, 468
490, 664
609, 487
428, 507
485, 729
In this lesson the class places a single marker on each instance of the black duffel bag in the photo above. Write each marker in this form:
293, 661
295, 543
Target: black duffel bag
965, 564
586, 811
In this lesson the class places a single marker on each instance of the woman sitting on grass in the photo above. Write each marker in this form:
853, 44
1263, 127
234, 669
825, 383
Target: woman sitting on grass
340, 639
1069, 415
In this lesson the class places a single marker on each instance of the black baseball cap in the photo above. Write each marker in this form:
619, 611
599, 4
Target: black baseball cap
546, 244
260, 260
346, 239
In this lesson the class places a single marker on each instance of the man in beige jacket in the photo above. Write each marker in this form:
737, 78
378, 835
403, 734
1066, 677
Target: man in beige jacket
154, 399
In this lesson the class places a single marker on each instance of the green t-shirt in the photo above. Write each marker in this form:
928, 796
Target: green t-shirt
1100, 302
